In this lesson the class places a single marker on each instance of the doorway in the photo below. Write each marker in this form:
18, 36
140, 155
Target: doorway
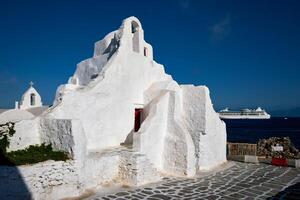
137, 119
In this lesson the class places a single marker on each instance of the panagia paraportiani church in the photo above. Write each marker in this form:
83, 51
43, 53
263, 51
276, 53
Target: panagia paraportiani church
124, 120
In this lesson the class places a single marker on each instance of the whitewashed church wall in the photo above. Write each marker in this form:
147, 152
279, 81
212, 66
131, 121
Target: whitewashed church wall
65, 135
122, 88
175, 153
27, 133
216, 137
150, 138
208, 132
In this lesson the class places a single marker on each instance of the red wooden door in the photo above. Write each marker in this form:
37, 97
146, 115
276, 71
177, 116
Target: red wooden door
137, 119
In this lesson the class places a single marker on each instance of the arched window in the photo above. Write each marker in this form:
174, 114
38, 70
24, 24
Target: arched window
135, 38
32, 99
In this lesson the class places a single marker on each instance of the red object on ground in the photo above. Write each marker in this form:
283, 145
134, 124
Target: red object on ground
280, 162
137, 119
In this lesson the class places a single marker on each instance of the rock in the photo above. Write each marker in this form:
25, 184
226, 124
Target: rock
264, 148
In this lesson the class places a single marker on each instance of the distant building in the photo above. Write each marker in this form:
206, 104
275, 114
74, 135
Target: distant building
30, 106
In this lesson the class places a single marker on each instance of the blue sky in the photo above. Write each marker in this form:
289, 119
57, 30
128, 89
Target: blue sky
246, 52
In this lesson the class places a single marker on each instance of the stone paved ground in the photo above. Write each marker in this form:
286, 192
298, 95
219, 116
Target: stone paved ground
241, 181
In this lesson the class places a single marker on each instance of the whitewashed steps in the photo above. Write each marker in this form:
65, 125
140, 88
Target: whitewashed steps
136, 169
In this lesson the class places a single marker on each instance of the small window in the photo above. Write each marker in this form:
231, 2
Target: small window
32, 99
145, 51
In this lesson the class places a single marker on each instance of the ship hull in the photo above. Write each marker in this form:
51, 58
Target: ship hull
245, 117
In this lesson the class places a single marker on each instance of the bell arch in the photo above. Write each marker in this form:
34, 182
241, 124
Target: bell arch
135, 30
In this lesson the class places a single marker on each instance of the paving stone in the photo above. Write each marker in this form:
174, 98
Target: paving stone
242, 181
137, 196
212, 197
121, 193
146, 192
236, 196
161, 196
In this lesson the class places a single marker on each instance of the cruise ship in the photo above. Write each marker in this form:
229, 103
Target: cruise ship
244, 114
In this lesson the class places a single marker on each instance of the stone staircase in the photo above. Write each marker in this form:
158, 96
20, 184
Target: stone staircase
135, 169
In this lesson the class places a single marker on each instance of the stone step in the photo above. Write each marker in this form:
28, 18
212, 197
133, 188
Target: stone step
136, 169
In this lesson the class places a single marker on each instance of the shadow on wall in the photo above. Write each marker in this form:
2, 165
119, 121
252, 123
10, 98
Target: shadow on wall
112, 47
129, 139
291, 192
12, 185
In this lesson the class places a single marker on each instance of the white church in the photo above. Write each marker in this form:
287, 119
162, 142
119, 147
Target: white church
30, 107
123, 120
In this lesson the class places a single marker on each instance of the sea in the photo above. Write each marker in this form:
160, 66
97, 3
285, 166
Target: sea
251, 130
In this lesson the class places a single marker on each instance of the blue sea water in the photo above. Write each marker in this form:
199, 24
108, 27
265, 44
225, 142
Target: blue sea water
251, 130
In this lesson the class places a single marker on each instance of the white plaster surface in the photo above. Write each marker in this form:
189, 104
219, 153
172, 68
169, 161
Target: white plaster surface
27, 133
206, 128
13, 115
100, 169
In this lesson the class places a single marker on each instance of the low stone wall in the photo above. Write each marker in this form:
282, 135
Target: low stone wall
259, 159
100, 169
56, 180
245, 152
241, 149
47, 180
86, 170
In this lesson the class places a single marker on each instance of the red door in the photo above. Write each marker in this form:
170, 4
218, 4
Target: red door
137, 119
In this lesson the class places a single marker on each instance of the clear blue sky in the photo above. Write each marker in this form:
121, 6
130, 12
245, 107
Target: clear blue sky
246, 52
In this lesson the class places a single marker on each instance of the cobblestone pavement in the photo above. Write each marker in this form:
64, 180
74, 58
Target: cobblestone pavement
241, 181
